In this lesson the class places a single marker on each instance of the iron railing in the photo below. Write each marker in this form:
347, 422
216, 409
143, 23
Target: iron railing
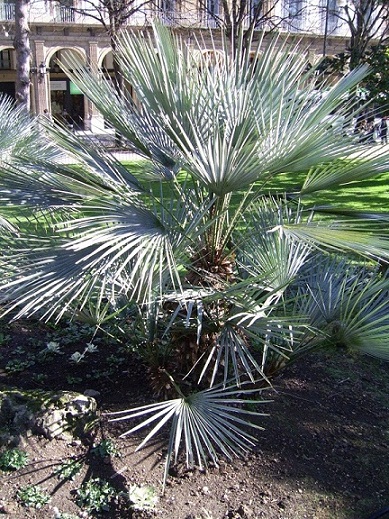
7, 11
65, 14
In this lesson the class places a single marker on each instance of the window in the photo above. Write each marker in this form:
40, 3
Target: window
256, 7
167, 8
212, 12
294, 8
295, 14
213, 7
332, 13
65, 11
5, 60
7, 10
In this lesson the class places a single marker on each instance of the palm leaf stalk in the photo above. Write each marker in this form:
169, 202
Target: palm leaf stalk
220, 278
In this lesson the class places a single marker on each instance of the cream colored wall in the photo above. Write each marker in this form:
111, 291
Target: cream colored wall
91, 42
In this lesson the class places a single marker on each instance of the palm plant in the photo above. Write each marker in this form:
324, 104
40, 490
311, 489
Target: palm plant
19, 134
218, 275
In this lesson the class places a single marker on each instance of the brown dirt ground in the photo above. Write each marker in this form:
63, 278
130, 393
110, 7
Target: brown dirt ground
323, 453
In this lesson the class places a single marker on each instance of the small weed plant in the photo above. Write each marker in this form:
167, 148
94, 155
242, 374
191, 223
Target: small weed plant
142, 497
64, 515
51, 349
73, 380
40, 378
104, 449
77, 357
69, 469
95, 495
13, 459
73, 333
4, 338
18, 366
33, 496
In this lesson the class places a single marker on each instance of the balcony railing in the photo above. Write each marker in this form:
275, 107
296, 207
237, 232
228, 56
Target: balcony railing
7, 11
64, 14
168, 16
39, 12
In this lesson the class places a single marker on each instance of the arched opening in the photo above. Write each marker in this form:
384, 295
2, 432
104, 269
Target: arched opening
106, 66
7, 71
66, 100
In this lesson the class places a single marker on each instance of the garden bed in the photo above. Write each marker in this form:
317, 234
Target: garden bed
323, 453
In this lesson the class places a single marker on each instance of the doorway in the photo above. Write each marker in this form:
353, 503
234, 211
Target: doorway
67, 104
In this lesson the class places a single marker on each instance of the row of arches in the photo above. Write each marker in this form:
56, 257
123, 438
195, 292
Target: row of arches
67, 103
52, 91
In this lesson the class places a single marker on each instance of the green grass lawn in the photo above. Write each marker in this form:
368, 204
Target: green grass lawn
367, 195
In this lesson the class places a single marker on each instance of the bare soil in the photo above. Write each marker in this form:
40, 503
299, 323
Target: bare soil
323, 453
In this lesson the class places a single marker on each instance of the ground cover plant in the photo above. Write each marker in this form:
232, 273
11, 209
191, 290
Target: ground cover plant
214, 297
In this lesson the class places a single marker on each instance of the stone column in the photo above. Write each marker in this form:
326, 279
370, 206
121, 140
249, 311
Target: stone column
94, 121
40, 82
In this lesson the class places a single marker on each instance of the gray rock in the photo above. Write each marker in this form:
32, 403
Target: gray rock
53, 414
93, 393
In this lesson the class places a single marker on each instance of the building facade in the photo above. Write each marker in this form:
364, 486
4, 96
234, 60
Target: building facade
59, 29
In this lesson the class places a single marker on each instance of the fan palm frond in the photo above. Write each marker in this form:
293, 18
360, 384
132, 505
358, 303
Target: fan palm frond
7, 225
106, 240
57, 276
359, 165
20, 133
227, 129
264, 248
347, 303
208, 423
231, 353
351, 236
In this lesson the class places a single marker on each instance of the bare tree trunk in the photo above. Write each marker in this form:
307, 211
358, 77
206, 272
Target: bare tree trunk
117, 74
23, 52
368, 23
